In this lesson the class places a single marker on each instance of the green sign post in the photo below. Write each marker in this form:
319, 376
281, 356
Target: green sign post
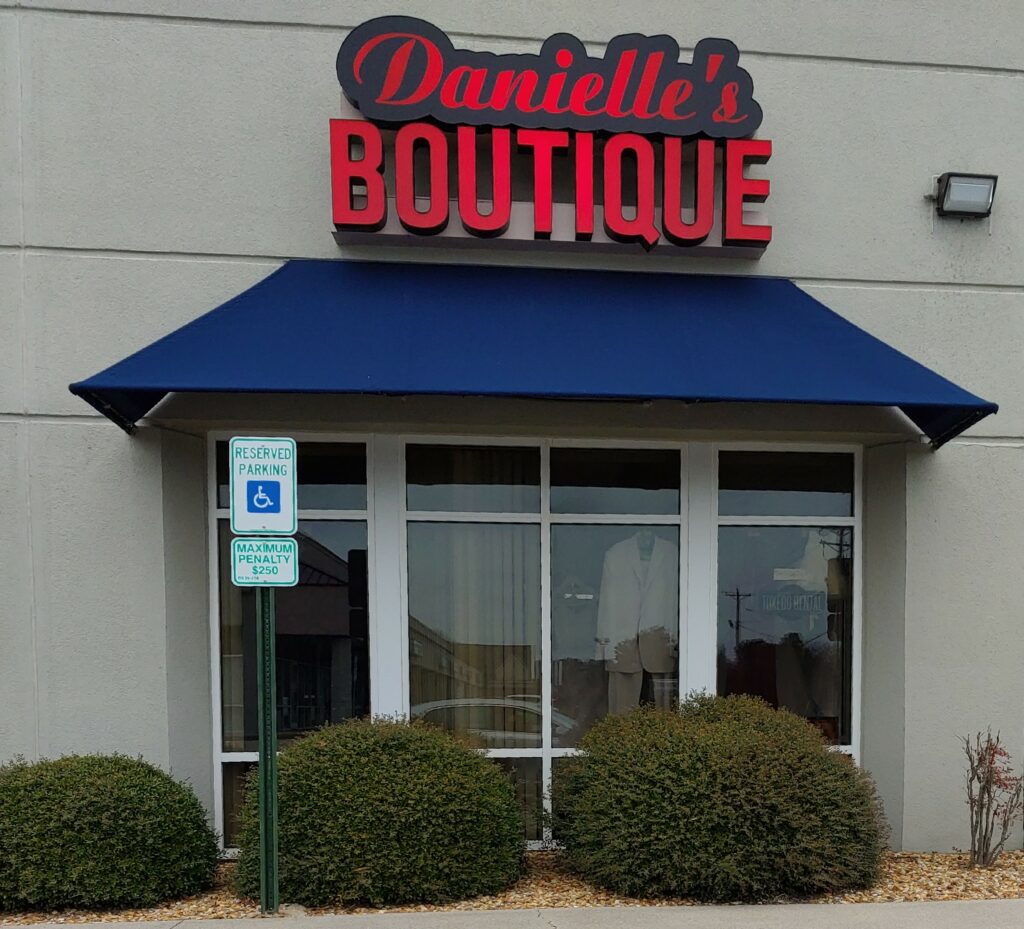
263, 494
267, 696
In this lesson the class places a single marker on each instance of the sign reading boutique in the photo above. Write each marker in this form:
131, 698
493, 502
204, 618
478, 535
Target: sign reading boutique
634, 146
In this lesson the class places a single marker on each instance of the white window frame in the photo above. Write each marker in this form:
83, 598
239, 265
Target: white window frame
545, 519
853, 748
387, 518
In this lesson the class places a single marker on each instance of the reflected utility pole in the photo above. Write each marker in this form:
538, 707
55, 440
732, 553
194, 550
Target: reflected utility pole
739, 598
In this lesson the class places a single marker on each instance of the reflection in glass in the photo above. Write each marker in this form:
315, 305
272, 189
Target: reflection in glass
614, 480
474, 630
785, 484
614, 623
234, 774
561, 769
322, 645
526, 774
331, 476
467, 479
785, 620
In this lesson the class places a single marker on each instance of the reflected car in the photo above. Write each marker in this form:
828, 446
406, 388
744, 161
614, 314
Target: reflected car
515, 722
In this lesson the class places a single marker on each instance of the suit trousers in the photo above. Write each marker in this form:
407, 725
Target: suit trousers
626, 687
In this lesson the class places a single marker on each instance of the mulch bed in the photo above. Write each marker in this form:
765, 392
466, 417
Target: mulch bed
908, 876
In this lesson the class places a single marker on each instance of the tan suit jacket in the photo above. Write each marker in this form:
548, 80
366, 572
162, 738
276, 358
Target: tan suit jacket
638, 615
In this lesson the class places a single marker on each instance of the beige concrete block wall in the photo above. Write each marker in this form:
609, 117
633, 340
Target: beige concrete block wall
964, 622
885, 657
84, 312
18, 662
187, 633
157, 157
12, 378
217, 145
10, 129
98, 572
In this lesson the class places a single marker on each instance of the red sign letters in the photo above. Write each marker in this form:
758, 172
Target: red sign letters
636, 140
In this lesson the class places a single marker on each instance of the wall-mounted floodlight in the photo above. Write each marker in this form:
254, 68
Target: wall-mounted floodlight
965, 195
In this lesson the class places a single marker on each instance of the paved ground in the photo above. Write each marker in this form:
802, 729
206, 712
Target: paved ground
975, 914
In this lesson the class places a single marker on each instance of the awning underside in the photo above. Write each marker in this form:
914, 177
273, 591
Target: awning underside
345, 327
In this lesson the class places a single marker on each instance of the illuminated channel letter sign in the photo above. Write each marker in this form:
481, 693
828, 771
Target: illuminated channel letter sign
460, 146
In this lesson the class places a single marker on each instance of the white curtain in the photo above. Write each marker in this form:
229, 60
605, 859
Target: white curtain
474, 603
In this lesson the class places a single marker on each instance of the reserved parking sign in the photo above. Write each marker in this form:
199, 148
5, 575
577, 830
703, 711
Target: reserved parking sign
263, 485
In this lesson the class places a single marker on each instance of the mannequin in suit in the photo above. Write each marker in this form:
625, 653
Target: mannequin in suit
638, 617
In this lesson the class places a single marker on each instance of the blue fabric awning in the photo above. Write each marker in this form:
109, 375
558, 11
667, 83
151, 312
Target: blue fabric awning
346, 327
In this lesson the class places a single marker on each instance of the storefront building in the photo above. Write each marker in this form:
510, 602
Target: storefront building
598, 353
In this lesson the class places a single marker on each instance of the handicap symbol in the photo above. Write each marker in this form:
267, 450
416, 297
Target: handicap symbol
263, 496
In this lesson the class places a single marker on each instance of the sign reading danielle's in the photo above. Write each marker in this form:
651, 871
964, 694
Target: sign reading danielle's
559, 146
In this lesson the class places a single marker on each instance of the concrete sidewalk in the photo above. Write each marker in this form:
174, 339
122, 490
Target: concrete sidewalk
973, 914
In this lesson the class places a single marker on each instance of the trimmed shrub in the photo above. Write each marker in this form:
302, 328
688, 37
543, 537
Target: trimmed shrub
386, 812
99, 831
725, 800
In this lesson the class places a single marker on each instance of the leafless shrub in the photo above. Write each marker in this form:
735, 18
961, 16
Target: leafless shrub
995, 796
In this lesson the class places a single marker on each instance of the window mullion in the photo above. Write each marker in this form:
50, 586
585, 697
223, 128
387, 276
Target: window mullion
813, 522
213, 567
701, 553
682, 618
545, 606
856, 695
388, 620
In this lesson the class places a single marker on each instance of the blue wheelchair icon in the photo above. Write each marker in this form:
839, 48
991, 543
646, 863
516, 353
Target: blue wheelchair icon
263, 496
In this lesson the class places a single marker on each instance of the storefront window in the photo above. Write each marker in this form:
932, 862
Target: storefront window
543, 589
785, 601
614, 623
322, 637
322, 641
527, 774
614, 480
603, 540
475, 630
330, 475
785, 484
234, 776
489, 479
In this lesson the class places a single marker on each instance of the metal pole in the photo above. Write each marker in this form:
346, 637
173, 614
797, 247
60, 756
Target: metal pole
267, 696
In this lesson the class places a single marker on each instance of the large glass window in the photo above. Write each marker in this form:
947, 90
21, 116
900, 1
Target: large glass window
330, 475
234, 774
544, 585
785, 592
785, 484
600, 531
614, 480
528, 776
321, 643
614, 623
473, 479
475, 630
322, 640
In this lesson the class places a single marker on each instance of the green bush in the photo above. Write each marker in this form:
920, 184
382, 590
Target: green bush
99, 831
725, 799
386, 812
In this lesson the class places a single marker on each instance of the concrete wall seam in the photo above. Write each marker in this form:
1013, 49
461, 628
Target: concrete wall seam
516, 40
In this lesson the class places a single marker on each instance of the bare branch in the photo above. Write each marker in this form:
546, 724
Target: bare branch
995, 796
